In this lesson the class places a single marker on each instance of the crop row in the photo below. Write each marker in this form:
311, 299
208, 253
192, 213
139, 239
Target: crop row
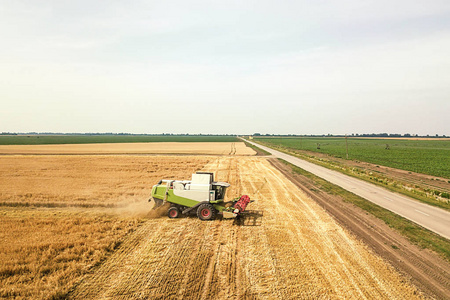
422, 156
89, 139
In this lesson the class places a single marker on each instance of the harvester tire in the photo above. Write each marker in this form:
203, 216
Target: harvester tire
173, 212
206, 212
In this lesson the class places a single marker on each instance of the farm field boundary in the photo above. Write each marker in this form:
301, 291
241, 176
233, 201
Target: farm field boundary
42, 139
295, 251
426, 188
403, 138
430, 217
259, 151
83, 208
422, 156
205, 148
380, 231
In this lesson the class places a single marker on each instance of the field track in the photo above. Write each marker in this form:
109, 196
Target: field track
294, 251
432, 218
428, 271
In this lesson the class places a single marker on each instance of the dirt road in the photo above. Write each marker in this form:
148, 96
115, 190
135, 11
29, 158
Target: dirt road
295, 251
430, 217
427, 270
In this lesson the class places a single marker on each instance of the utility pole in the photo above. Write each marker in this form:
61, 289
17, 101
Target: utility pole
346, 144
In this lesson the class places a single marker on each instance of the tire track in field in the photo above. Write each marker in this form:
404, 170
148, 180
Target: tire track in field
297, 252
427, 271
311, 255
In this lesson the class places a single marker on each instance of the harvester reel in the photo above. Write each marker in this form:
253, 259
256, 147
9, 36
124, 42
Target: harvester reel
206, 212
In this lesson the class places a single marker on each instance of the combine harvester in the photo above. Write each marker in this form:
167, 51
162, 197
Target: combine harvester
201, 195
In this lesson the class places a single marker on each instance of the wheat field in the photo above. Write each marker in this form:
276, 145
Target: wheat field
61, 216
206, 148
80, 227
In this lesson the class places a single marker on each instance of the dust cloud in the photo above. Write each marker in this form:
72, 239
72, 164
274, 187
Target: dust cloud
142, 209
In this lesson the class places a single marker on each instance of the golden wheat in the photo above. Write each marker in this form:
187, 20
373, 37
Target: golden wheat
132, 148
43, 256
85, 180
61, 216
297, 252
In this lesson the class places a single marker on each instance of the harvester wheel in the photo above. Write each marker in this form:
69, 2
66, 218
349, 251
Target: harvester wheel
173, 212
206, 212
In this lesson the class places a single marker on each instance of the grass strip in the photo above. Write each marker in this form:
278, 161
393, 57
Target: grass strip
386, 182
418, 235
383, 181
90, 139
258, 150
422, 156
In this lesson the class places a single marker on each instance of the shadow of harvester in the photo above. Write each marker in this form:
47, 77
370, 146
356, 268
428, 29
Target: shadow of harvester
249, 218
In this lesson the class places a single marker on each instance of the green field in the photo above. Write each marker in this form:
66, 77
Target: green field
423, 156
90, 139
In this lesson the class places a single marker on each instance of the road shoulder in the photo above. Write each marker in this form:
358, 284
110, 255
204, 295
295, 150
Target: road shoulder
424, 268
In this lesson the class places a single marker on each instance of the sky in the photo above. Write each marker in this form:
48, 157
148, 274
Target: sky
225, 67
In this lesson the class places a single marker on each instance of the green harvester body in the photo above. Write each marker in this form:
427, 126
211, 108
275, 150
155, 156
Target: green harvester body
201, 194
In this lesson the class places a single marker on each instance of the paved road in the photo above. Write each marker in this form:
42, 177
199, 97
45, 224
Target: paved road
430, 217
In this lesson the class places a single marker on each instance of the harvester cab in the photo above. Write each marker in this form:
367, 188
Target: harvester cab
201, 195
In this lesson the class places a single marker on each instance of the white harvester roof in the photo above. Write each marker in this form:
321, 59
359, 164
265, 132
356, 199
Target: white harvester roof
225, 184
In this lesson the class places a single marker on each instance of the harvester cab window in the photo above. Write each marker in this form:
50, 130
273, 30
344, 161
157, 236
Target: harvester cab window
219, 191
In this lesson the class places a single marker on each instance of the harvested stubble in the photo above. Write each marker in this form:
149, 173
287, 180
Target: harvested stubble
298, 252
46, 247
210, 148
43, 255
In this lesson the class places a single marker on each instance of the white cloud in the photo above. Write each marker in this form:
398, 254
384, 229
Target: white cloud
289, 66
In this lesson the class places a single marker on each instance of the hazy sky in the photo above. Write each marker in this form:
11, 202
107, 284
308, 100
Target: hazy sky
302, 67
